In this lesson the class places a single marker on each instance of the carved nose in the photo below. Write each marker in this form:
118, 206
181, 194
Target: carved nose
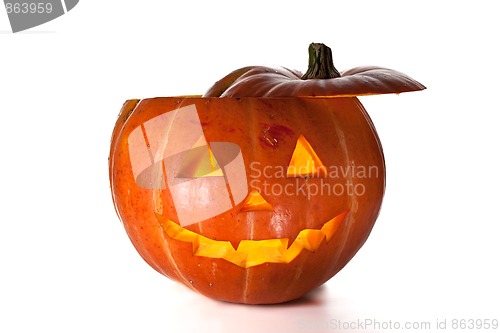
255, 202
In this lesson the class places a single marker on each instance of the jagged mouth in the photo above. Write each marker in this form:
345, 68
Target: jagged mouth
251, 253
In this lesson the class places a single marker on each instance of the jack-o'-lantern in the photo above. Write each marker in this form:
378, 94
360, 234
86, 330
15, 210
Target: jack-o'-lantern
262, 189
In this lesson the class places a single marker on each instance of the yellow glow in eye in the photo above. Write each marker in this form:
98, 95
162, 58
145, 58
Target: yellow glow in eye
304, 161
200, 162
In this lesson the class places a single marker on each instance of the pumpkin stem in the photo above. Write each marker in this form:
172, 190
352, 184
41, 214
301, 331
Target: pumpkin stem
320, 63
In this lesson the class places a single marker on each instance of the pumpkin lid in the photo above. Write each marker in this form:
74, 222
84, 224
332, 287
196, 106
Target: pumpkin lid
320, 80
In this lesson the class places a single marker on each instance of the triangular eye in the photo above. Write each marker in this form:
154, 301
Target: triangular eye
199, 161
255, 201
304, 161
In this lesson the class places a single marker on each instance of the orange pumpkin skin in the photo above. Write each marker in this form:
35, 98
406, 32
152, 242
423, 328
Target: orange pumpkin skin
266, 130
300, 229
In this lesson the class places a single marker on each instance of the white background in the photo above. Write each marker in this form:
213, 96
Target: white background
66, 264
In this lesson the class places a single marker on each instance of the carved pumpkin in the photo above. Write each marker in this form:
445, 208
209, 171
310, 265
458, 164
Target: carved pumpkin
253, 198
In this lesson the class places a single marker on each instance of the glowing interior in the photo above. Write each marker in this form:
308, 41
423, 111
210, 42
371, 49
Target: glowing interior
200, 162
253, 252
255, 201
304, 161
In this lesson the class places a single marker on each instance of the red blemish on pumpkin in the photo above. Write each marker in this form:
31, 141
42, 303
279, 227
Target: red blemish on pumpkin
273, 135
